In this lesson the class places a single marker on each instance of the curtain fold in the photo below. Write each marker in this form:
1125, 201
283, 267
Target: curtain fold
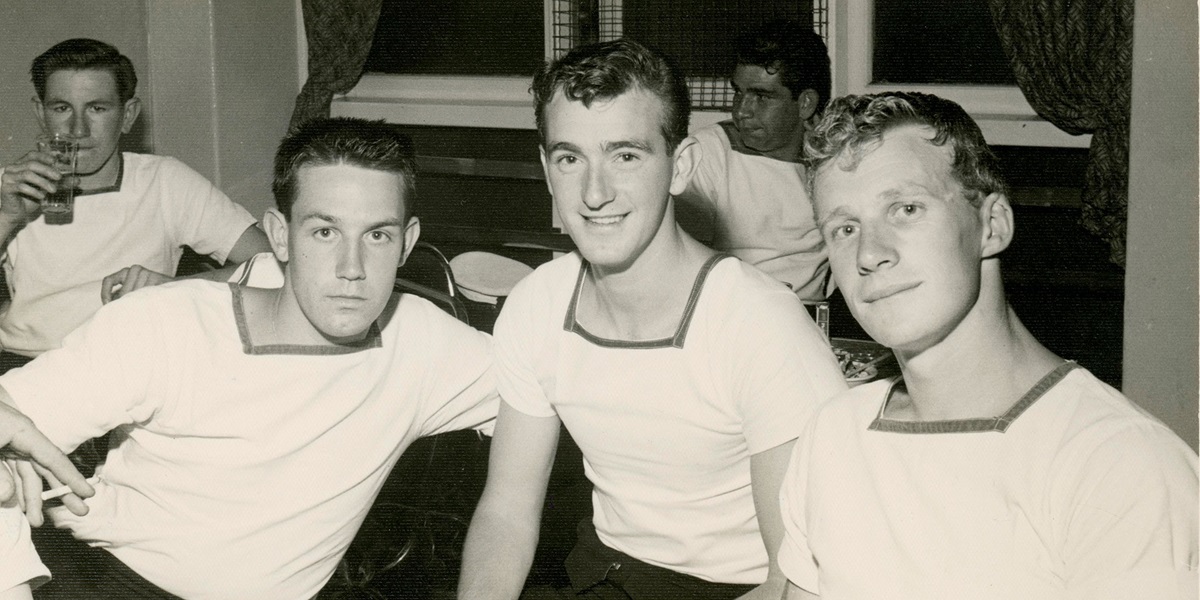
1073, 61
339, 34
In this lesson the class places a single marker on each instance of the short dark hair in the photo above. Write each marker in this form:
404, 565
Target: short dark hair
82, 54
606, 70
794, 51
853, 125
342, 140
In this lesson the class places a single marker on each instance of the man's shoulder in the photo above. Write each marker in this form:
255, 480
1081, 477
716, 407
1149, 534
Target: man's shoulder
549, 279
167, 169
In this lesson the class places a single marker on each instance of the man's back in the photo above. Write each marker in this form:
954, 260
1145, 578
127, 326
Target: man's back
761, 212
253, 462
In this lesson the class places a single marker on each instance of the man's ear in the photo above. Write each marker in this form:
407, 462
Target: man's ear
412, 231
545, 167
996, 216
687, 156
133, 108
276, 228
806, 103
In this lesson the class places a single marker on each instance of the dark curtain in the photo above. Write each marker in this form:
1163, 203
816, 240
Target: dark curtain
339, 34
1072, 60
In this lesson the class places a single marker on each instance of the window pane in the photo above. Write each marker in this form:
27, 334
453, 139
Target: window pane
461, 37
937, 42
700, 34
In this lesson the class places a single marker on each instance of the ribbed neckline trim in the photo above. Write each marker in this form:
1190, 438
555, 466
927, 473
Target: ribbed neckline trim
115, 187
998, 424
571, 323
373, 339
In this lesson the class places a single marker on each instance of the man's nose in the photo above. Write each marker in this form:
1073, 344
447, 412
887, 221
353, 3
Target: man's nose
350, 262
597, 191
743, 107
79, 125
876, 249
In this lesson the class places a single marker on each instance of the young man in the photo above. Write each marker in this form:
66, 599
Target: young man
991, 468
255, 425
683, 375
133, 212
749, 184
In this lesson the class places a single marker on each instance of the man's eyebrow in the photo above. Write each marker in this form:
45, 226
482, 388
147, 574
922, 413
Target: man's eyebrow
563, 146
642, 145
833, 214
319, 216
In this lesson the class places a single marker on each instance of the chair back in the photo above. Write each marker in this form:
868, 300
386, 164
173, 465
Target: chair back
427, 274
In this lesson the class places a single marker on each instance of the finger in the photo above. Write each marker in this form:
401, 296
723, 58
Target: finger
73, 502
8, 486
110, 285
49, 457
31, 486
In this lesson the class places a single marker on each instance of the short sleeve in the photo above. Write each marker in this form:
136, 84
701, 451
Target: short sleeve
795, 558
1131, 518
102, 376
201, 216
520, 339
460, 382
19, 562
784, 369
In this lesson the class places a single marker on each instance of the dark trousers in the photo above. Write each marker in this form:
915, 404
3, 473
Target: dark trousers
598, 572
10, 361
80, 572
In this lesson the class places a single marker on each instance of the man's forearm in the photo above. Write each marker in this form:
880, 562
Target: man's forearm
497, 556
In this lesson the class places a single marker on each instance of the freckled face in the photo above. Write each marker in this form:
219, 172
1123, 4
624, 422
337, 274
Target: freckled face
611, 175
904, 243
345, 240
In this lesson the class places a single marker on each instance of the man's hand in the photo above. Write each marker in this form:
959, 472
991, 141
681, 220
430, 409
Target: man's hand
25, 184
19, 439
129, 279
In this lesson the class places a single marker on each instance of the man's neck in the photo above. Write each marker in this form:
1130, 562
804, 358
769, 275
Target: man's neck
979, 370
105, 176
646, 300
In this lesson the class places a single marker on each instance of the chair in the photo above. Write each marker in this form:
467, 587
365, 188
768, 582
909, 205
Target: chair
484, 280
427, 274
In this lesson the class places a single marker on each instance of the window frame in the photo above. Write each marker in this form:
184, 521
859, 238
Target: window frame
1003, 113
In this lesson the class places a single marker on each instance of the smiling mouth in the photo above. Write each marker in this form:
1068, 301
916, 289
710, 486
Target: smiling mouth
606, 220
888, 292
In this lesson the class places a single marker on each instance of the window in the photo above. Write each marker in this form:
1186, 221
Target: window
421, 72
943, 47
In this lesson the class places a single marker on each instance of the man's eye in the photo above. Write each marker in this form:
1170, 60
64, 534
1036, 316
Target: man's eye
324, 233
627, 157
379, 236
843, 231
909, 210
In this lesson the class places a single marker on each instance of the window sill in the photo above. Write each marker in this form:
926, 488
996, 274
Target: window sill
486, 102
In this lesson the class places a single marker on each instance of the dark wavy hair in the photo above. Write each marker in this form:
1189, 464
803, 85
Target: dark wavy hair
606, 70
341, 140
796, 52
84, 54
853, 125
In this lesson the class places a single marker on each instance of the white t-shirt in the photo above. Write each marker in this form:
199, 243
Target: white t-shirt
667, 427
1074, 493
19, 562
157, 206
244, 470
759, 209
